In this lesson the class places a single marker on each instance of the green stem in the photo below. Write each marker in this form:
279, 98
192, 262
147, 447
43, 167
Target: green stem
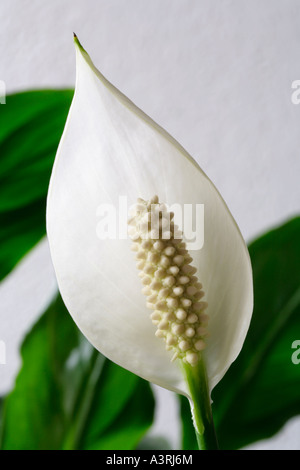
201, 406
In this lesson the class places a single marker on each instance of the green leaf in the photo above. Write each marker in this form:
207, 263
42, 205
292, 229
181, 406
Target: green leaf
68, 396
154, 443
260, 392
130, 424
31, 125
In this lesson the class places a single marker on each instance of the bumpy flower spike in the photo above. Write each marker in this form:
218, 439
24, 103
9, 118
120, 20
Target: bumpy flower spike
172, 289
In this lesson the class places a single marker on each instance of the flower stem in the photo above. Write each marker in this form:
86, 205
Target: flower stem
201, 406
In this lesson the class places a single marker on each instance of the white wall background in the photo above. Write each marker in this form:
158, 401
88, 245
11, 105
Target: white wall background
217, 74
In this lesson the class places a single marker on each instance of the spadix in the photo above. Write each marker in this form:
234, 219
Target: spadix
173, 291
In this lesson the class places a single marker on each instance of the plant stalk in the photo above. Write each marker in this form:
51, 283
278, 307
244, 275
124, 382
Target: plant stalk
200, 402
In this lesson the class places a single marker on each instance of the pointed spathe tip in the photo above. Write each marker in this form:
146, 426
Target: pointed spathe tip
77, 42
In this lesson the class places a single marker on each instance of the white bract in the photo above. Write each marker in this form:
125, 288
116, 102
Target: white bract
110, 148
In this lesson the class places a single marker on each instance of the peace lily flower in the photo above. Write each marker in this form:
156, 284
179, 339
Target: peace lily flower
200, 301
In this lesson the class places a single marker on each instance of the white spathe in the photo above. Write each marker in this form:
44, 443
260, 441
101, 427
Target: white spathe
110, 148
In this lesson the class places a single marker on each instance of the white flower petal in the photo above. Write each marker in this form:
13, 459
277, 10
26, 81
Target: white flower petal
110, 148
